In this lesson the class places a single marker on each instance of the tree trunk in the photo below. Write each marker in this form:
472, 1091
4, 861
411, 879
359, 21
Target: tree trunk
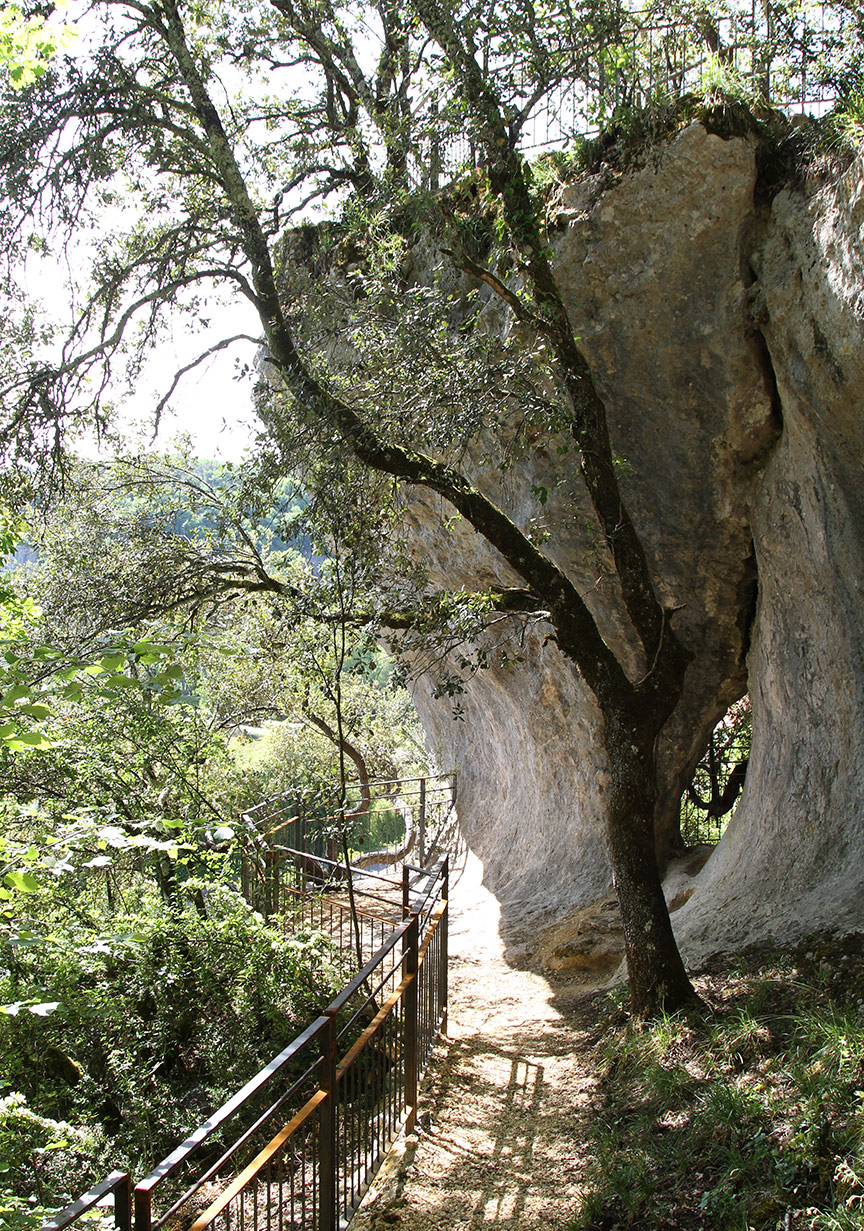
658, 980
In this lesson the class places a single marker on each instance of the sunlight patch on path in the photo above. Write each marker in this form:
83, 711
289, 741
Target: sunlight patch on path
501, 1115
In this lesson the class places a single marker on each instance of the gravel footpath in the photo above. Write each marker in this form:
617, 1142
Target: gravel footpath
504, 1103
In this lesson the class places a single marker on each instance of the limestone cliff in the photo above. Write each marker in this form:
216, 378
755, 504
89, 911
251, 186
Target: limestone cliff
793, 858
725, 336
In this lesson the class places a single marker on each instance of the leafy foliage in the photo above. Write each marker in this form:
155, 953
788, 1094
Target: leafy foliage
29, 43
709, 802
153, 1020
137, 990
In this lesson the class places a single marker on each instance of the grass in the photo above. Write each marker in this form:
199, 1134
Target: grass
749, 1117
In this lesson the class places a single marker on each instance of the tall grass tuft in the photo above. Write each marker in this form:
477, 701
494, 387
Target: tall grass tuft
749, 1118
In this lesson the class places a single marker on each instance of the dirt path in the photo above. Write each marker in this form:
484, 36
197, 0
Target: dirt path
503, 1106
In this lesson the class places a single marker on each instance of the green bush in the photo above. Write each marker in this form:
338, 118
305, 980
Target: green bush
156, 1025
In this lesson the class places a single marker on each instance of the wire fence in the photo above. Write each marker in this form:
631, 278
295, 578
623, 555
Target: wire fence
781, 55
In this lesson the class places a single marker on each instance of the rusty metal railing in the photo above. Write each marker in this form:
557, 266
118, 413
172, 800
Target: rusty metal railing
779, 54
115, 1189
287, 857
404, 817
296, 1148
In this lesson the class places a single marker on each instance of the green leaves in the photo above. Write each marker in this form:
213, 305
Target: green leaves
23, 882
28, 44
27, 741
32, 691
112, 662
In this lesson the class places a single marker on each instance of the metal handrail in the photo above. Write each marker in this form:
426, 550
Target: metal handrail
335, 863
118, 1184
400, 1030
144, 1190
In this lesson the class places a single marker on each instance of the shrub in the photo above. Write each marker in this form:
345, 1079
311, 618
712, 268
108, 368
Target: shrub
156, 1025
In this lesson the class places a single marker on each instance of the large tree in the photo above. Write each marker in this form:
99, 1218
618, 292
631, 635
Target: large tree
213, 124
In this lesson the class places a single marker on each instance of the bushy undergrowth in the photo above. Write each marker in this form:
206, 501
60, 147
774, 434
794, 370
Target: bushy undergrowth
751, 1116
157, 1022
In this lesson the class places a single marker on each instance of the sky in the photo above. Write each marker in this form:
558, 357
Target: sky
211, 406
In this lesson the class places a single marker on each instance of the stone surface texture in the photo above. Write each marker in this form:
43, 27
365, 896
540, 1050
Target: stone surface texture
725, 336
793, 859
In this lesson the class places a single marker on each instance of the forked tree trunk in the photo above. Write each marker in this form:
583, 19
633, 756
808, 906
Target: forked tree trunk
658, 980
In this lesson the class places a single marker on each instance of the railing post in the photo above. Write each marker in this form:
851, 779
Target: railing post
406, 892
421, 840
444, 925
143, 1207
275, 898
411, 1050
123, 1205
327, 1153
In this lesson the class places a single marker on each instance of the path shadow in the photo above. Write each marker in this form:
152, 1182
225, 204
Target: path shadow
484, 1165
578, 952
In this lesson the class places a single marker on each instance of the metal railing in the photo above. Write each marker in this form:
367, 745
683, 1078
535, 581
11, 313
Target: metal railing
633, 56
285, 855
404, 816
296, 1148
115, 1189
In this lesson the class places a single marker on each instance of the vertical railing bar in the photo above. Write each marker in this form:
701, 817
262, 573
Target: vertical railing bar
314, 1161
422, 824
123, 1204
347, 1128
292, 1185
316, 1184
355, 1160
327, 1149
362, 1146
369, 1127
410, 1002
396, 1100
445, 945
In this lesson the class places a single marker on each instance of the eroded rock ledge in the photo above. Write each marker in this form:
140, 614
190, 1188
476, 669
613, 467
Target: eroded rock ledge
726, 338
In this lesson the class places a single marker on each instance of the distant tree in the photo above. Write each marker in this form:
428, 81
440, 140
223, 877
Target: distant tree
719, 777
200, 563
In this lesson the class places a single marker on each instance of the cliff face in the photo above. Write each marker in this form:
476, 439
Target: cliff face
793, 858
726, 341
